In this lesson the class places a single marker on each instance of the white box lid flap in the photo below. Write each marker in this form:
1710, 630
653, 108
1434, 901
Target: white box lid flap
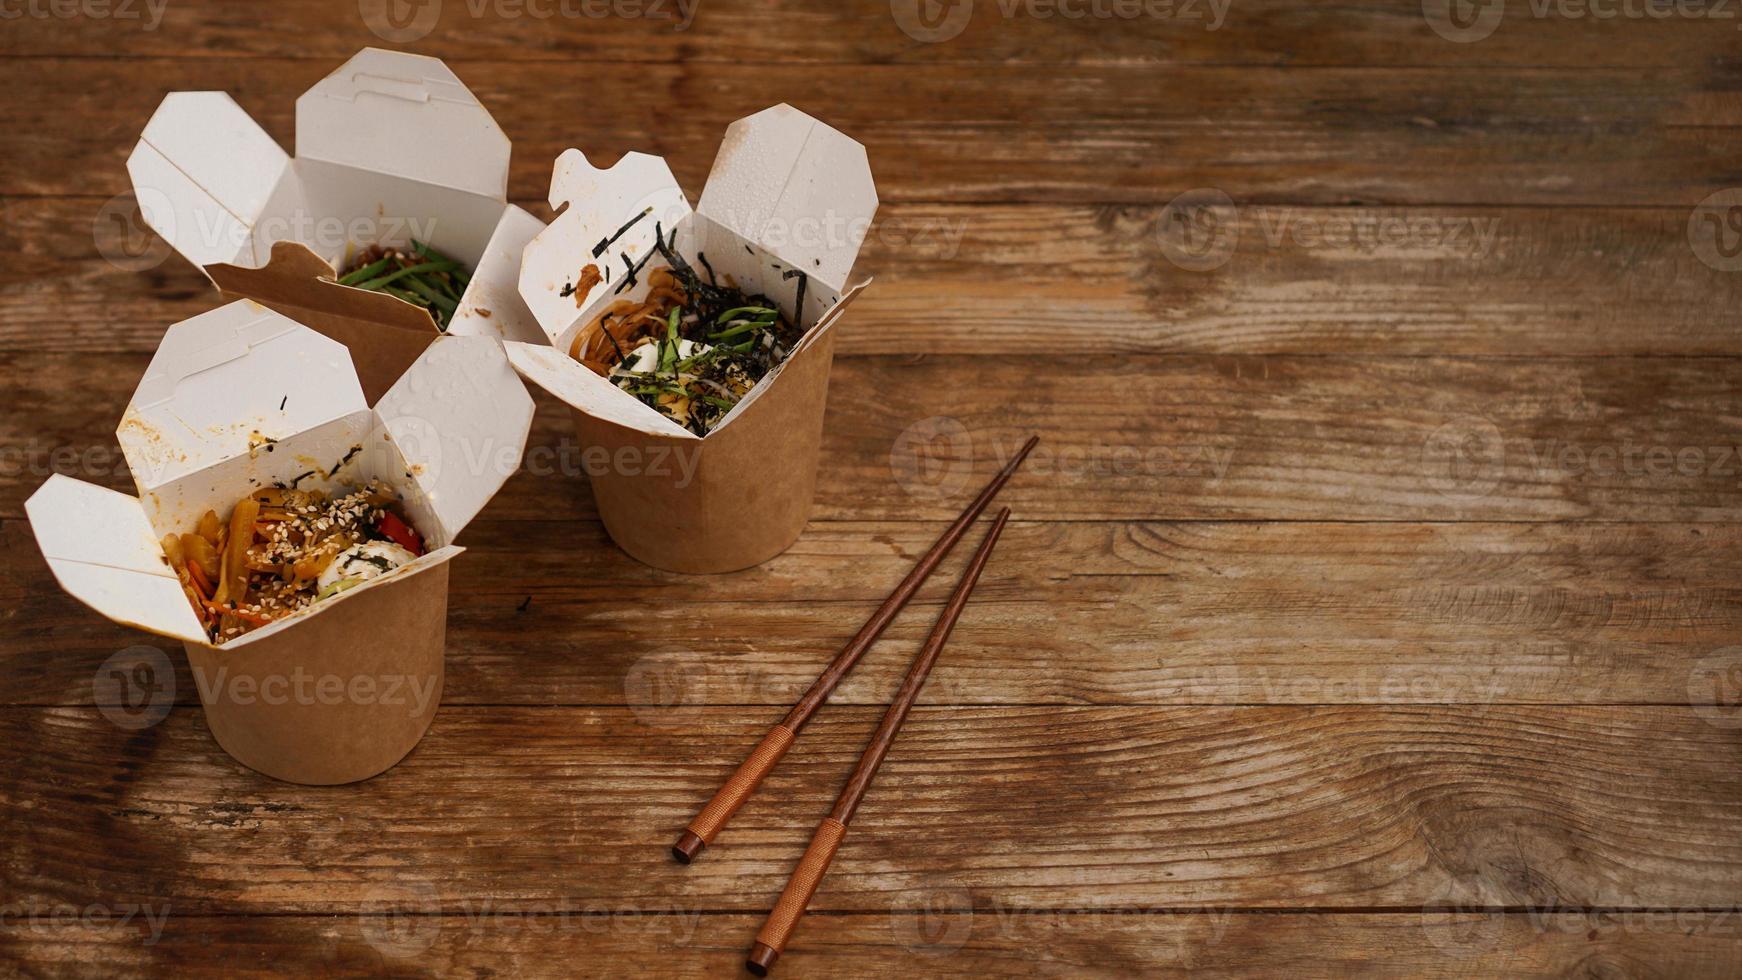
222, 381
102, 550
203, 171
460, 417
606, 214
797, 188
404, 115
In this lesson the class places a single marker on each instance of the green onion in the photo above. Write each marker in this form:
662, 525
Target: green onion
742, 326
410, 270
358, 275
753, 310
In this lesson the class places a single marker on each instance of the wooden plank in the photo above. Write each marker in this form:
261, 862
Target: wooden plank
552, 613
1312, 136
1353, 808
1040, 279
1135, 438
1393, 33
980, 943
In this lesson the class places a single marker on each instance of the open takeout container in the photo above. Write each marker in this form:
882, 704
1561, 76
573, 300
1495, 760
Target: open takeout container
785, 209
242, 398
389, 147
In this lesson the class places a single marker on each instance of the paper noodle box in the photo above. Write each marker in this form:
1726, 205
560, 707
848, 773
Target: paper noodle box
389, 147
784, 212
242, 398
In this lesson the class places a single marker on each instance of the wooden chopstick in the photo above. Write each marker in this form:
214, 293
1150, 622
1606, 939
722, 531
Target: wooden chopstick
771, 941
773, 746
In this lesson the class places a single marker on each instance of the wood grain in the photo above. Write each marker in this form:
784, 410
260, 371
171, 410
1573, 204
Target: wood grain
1389, 33
1138, 438
996, 133
980, 943
1354, 808
1049, 280
1353, 621
1147, 613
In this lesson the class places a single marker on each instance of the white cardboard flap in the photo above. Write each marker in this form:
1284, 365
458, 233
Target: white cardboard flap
203, 171
103, 552
406, 115
223, 382
459, 417
608, 216
492, 306
581, 389
795, 187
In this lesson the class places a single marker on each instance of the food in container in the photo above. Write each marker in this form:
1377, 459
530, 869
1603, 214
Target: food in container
694, 346
393, 153
242, 417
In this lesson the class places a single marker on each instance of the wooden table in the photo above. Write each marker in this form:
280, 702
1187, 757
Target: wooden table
1371, 605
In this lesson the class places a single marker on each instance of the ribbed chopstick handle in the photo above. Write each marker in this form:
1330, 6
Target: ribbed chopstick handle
772, 940
732, 795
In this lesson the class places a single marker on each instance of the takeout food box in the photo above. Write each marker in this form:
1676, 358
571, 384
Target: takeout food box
242, 398
784, 211
389, 147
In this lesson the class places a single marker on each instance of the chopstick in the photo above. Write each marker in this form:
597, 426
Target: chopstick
773, 746
783, 919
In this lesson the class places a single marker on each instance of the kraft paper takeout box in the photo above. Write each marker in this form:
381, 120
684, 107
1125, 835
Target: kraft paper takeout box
788, 201
445, 437
390, 146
